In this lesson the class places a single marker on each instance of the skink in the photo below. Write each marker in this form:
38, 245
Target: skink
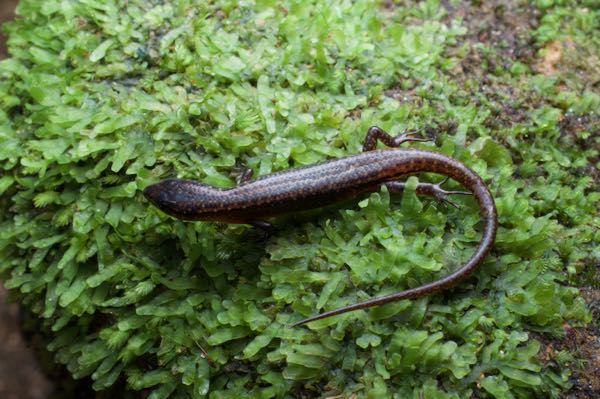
315, 186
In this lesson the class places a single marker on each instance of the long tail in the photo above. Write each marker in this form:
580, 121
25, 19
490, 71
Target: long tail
437, 163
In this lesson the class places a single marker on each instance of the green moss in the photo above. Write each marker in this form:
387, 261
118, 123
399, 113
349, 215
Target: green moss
101, 99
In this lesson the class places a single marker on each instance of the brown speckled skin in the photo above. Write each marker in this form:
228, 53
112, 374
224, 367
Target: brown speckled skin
323, 184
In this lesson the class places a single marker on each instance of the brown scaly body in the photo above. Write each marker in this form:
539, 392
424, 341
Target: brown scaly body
322, 184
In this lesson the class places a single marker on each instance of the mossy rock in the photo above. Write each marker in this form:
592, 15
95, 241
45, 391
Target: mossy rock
102, 98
